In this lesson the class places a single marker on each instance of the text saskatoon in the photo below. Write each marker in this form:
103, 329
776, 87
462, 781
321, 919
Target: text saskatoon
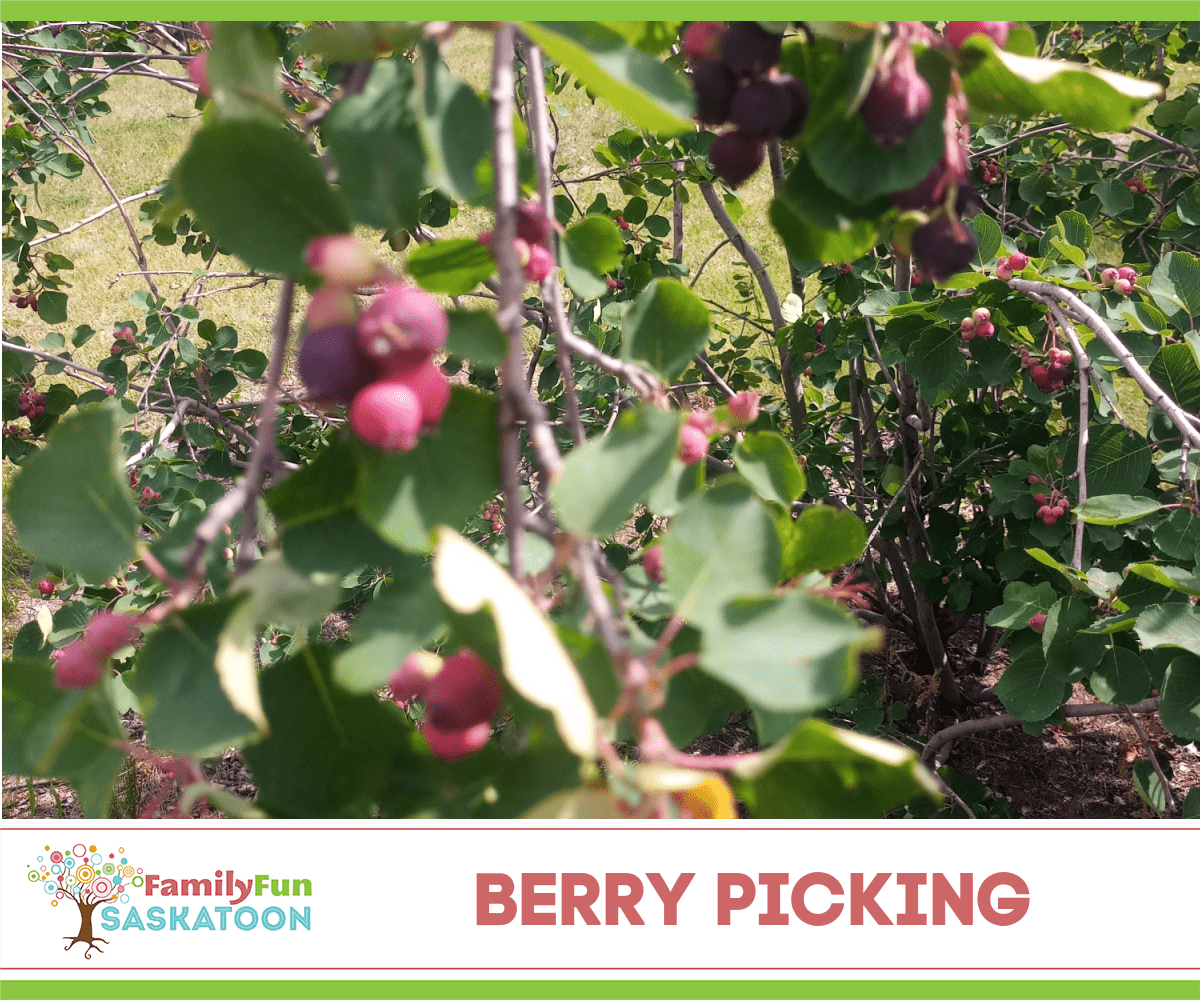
214, 915
814, 898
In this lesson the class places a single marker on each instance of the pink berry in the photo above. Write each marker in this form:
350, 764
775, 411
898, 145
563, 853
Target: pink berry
1033, 479
1004, 271
331, 305
1018, 261
981, 315
402, 326
464, 693
45, 586
1064, 504
957, 32
703, 421
77, 666
110, 390
1110, 274
387, 415
411, 680
1128, 273
702, 40
743, 407
454, 744
1050, 520
532, 224
333, 366
652, 563
197, 71
1122, 286
967, 325
693, 444
540, 264
1044, 512
108, 631
985, 330
1038, 622
341, 260
1040, 499
432, 390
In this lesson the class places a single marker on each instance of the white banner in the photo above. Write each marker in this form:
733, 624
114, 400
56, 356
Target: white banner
769, 900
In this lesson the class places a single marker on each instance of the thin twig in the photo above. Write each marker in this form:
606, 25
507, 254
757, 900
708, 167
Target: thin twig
1172, 806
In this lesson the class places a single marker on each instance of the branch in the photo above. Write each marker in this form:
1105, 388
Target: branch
1169, 793
100, 215
1087, 315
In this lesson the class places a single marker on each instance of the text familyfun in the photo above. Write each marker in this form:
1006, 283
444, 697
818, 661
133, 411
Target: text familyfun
225, 884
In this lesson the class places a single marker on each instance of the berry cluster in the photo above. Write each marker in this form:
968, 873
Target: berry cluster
149, 496
10, 430
31, 403
978, 324
694, 435
1122, 279
1136, 184
461, 694
1008, 266
26, 301
736, 80
491, 513
989, 169
1051, 376
121, 337
379, 362
80, 664
532, 231
1050, 506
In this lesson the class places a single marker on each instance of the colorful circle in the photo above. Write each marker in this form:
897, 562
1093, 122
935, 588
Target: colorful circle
139, 871
79, 850
117, 880
108, 868
102, 887
34, 877
60, 894
70, 862
138, 880
95, 859
125, 898
85, 873
54, 902
127, 870
44, 868
92, 847
57, 857
56, 869
51, 888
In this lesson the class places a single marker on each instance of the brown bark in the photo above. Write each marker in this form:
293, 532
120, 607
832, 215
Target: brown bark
85, 935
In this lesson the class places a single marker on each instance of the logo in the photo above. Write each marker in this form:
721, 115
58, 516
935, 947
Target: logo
85, 876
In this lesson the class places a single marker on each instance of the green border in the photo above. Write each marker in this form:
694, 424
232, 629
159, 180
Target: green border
1090, 10
632, 989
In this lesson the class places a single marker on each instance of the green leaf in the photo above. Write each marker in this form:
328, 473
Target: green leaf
604, 477
935, 361
647, 91
71, 503
317, 490
373, 138
673, 490
806, 242
1005, 83
1178, 534
1022, 602
450, 474
821, 539
1172, 577
988, 235
791, 652
63, 734
1115, 508
1032, 687
1180, 707
243, 70
1117, 462
851, 163
184, 708
1114, 196
534, 660
329, 751
340, 544
1175, 368
1175, 284
475, 336
825, 772
1064, 622
721, 545
1075, 230
260, 192
767, 463
1172, 624
1120, 678
589, 250
52, 307
666, 327
452, 267
455, 125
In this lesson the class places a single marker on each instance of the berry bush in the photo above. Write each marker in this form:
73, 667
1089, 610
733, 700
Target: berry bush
577, 515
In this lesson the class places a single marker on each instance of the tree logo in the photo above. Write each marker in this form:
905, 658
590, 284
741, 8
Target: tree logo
81, 875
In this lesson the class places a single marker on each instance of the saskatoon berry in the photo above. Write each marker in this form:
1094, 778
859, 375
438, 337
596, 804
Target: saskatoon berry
197, 71
331, 306
958, 32
1040, 499
431, 389
1050, 520
1038, 622
798, 108
341, 260
1122, 286
402, 326
897, 102
464, 693
532, 225
45, 586
333, 366
76, 666
715, 88
943, 247
454, 744
1128, 273
539, 265
735, 157
1110, 274
761, 108
1018, 261
703, 421
748, 49
652, 563
387, 415
107, 632
412, 679
693, 444
743, 407
702, 40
